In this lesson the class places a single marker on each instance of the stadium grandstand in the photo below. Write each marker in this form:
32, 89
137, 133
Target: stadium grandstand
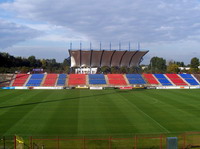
110, 80
95, 59
87, 62
59, 110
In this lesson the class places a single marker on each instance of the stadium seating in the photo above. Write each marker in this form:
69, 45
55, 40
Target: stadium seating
189, 78
197, 76
96, 79
61, 79
77, 79
5, 79
163, 80
35, 80
176, 79
135, 79
20, 79
116, 79
50, 80
150, 79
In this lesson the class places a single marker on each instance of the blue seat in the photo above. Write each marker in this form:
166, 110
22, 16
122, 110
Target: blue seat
189, 78
96, 76
96, 79
37, 76
62, 76
35, 80
163, 80
135, 79
61, 79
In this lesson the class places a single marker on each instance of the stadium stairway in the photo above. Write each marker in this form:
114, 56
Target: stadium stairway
12, 80
87, 80
126, 79
156, 79
197, 76
67, 80
106, 78
27, 80
43, 79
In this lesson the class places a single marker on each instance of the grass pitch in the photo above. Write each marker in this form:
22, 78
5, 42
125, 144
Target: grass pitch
104, 112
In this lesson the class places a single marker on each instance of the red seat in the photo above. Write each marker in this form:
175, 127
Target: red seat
116, 79
77, 79
50, 80
20, 79
176, 79
150, 79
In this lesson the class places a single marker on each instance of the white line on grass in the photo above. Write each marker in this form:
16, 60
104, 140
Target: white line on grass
149, 117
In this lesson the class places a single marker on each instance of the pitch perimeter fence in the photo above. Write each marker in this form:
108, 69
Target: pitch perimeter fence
145, 141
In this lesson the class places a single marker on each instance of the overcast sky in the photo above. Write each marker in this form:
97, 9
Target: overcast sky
45, 28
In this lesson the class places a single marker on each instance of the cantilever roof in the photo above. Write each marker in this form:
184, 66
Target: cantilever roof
94, 58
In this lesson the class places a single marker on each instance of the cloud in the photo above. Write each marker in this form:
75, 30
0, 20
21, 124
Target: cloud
138, 20
11, 33
164, 27
55, 33
44, 52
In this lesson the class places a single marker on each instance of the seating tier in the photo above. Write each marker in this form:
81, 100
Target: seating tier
150, 79
189, 78
77, 79
176, 79
96, 79
20, 79
135, 79
163, 80
35, 80
61, 79
50, 80
116, 79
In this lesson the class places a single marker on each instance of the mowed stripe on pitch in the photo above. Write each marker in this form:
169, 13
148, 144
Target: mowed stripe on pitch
109, 112
15, 119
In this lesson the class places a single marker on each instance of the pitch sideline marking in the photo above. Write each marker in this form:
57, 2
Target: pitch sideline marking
150, 117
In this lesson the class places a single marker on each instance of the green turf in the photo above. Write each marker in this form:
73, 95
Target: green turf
104, 112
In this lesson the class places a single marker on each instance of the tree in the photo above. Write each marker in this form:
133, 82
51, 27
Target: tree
32, 61
114, 69
66, 62
157, 65
124, 69
172, 68
180, 64
67, 69
105, 69
44, 63
194, 63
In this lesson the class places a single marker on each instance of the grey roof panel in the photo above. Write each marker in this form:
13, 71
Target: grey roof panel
117, 57
135, 61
